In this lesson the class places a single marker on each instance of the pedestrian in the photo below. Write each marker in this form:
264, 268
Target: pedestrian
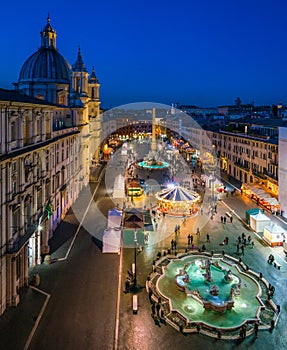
252, 244
192, 247
152, 310
207, 238
150, 295
158, 309
242, 249
249, 239
127, 285
231, 218
224, 219
174, 244
244, 329
221, 219
256, 327
226, 240
189, 239
237, 248
197, 231
203, 248
239, 239
162, 318
243, 235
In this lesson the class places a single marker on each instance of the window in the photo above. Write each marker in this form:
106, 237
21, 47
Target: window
13, 131
14, 167
38, 127
14, 187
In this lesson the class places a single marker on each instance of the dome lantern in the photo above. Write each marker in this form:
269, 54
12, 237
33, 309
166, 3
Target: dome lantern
48, 35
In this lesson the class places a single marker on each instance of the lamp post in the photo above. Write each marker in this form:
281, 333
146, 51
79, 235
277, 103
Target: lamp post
135, 287
135, 258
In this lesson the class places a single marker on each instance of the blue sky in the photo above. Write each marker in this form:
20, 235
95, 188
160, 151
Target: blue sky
204, 53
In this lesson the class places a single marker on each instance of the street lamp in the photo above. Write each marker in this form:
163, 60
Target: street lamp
135, 257
135, 287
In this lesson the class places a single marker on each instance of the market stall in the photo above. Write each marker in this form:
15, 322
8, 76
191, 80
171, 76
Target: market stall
259, 221
249, 212
274, 235
119, 187
271, 204
111, 241
112, 235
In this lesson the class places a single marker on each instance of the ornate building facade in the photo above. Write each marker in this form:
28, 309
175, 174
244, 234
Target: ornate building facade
50, 132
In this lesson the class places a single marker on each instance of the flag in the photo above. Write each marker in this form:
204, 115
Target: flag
49, 208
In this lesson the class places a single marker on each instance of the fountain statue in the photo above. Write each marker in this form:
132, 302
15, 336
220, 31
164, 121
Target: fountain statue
186, 278
214, 291
207, 275
228, 276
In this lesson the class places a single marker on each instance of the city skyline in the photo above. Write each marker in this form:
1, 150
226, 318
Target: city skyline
205, 54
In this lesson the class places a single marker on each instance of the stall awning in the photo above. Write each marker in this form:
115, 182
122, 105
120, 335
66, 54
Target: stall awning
271, 201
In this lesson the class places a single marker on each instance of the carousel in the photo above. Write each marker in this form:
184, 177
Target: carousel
178, 201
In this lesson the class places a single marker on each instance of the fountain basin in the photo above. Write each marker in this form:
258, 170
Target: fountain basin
209, 283
153, 165
198, 305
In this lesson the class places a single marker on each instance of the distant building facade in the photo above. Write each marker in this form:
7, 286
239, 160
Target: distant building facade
50, 131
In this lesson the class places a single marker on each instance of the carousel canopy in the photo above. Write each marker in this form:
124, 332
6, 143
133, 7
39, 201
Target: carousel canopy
177, 194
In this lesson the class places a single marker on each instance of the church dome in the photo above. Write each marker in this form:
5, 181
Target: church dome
46, 65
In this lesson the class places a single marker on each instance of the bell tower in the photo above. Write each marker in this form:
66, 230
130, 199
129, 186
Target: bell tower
79, 82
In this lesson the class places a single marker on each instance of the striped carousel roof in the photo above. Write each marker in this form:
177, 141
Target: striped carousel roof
177, 194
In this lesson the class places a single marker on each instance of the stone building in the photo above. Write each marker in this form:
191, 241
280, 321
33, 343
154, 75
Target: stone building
50, 129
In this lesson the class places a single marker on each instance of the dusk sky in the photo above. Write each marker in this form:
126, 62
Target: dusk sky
204, 53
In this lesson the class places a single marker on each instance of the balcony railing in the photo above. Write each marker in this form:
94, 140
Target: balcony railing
260, 175
242, 166
272, 176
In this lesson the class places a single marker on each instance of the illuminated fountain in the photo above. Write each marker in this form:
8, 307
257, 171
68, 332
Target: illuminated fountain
200, 291
219, 296
151, 161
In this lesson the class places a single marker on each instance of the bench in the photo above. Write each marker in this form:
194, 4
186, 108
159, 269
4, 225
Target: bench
276, 264
228, 214
135, 304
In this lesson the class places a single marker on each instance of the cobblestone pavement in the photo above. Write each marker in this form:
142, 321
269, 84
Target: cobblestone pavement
138, 331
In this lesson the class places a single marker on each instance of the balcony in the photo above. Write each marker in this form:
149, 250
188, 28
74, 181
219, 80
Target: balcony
260, 175
16, 246
273, 162
242, 166
272, 176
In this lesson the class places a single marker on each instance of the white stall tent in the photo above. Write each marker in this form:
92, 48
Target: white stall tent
114, 218
274, 234
112, 241
113, 233
259, 221
119, 187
